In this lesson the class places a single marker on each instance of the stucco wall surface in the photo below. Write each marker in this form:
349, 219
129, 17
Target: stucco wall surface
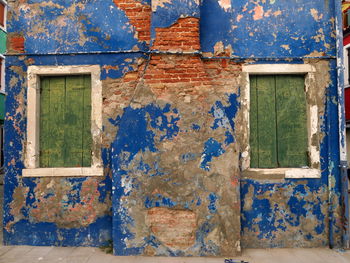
172, 126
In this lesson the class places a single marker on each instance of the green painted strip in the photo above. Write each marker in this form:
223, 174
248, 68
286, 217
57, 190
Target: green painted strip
45, 123
57, 118
87, 138
2, 106
266, 122
292, 121
3, 38
253, 124
73, 125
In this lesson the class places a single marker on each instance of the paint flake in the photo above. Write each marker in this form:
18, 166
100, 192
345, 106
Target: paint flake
225, 4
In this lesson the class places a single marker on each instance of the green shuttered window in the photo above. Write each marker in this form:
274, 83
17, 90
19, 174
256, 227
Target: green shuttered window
278, 121
65, 121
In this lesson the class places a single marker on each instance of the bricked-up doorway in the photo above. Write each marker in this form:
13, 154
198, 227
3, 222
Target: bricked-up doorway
175, 162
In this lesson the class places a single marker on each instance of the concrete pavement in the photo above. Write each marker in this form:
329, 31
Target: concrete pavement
27, 254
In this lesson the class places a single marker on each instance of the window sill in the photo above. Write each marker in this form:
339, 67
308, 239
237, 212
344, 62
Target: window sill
281, 173
66, 172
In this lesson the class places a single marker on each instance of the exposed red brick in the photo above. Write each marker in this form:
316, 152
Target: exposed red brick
183, 72
139, 15
174, 228
181, 36
15, 43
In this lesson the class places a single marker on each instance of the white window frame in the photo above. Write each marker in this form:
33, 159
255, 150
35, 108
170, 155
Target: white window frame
4, 28
32, 152
2, 89
346, 67
312, 120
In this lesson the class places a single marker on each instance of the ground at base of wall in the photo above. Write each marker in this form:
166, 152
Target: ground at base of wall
19, 254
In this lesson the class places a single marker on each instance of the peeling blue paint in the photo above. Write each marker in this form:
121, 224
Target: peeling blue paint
188, 157
225, 115
206, 248
268, 33
270, 210
168, 13
229, 138
212, 148
136, 137
212, 203
269, 217
48, 234
81, 31
137, 134
196, 127
159, 201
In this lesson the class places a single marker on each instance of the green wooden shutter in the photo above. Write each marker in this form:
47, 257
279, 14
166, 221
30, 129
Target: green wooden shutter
45, 123
65, 122
253, 124
278, 122
291, 121
266, 122
87, 139
52, 118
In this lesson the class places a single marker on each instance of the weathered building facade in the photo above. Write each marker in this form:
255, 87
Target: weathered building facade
3, 37
174, 127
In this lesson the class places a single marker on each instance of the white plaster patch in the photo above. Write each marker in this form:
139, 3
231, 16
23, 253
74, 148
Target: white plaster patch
66, 172
286, 47
219, 47
277, 13
221, 119
225, 4
126, 183
207, 167
258, 12
302, 173
315, 14
313, 149
159, 3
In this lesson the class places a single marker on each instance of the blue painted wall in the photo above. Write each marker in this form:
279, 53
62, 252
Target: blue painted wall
83, 26
53, 200
274, 29
161, 152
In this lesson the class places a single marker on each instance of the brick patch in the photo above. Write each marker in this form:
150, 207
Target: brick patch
174, 228
139, 16
182, 36
189, 74
15, 43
